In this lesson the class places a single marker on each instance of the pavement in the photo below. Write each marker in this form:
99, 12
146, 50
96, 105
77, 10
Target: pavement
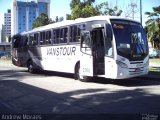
34, 99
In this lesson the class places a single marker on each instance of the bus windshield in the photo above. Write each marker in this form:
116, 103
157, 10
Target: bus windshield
131, 41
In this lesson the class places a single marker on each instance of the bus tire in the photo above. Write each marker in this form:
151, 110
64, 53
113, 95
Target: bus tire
30, 67
80, 78
77, 71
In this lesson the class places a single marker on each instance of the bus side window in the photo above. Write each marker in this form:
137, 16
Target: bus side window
48, 37
31, 38
74, 34
79, 29
54, 37
58, 36
35, 40
63, 35
42, 38
78, 34
25, 41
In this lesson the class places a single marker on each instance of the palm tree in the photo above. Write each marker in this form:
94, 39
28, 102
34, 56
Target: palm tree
153, 27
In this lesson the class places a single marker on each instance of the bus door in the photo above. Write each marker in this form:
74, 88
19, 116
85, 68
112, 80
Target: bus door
86, 58
98, 50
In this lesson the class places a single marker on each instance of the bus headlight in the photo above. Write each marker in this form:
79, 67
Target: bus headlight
121, 64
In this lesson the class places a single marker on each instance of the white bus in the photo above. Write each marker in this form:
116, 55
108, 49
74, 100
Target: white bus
101, 46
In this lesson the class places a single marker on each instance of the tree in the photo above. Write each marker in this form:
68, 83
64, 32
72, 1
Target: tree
87, 9
106, 10
59, 19
68, 17
41, 21
153, 27
82, 9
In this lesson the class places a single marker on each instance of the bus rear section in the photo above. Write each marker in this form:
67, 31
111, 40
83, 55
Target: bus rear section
19, 50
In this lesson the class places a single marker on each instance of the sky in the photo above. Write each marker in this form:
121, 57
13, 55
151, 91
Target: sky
62, 7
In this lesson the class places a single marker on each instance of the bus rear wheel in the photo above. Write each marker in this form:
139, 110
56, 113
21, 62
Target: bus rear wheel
79, 77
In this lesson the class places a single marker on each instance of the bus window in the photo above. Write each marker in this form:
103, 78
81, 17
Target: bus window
73, 33
78, 34
16, 41
63, 35
108, 41
42, 34
79, 29
56, 36
48, 37
25, 40
33, 39
36, 37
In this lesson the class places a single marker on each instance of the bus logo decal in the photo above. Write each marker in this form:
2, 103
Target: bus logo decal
59, 51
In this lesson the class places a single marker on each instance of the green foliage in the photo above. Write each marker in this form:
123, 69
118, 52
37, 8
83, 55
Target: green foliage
153, 27
82, 9
85, 8
106, 10
68, 17
41, 21
83, 12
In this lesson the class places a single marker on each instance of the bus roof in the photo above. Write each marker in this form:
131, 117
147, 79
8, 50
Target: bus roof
76, 21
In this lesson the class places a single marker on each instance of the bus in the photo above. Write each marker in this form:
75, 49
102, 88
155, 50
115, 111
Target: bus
100, 46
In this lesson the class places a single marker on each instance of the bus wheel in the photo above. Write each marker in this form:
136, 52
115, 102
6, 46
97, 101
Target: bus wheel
30, 67
77, 72
79, 77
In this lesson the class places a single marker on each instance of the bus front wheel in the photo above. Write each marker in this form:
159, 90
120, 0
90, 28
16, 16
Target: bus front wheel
79, 76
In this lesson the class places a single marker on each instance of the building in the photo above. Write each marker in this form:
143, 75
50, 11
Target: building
2, 33
24, 13
7, 23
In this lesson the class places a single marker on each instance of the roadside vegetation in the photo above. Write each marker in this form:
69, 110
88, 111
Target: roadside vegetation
153, 27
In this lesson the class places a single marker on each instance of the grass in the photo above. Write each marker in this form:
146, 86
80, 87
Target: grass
154, 70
